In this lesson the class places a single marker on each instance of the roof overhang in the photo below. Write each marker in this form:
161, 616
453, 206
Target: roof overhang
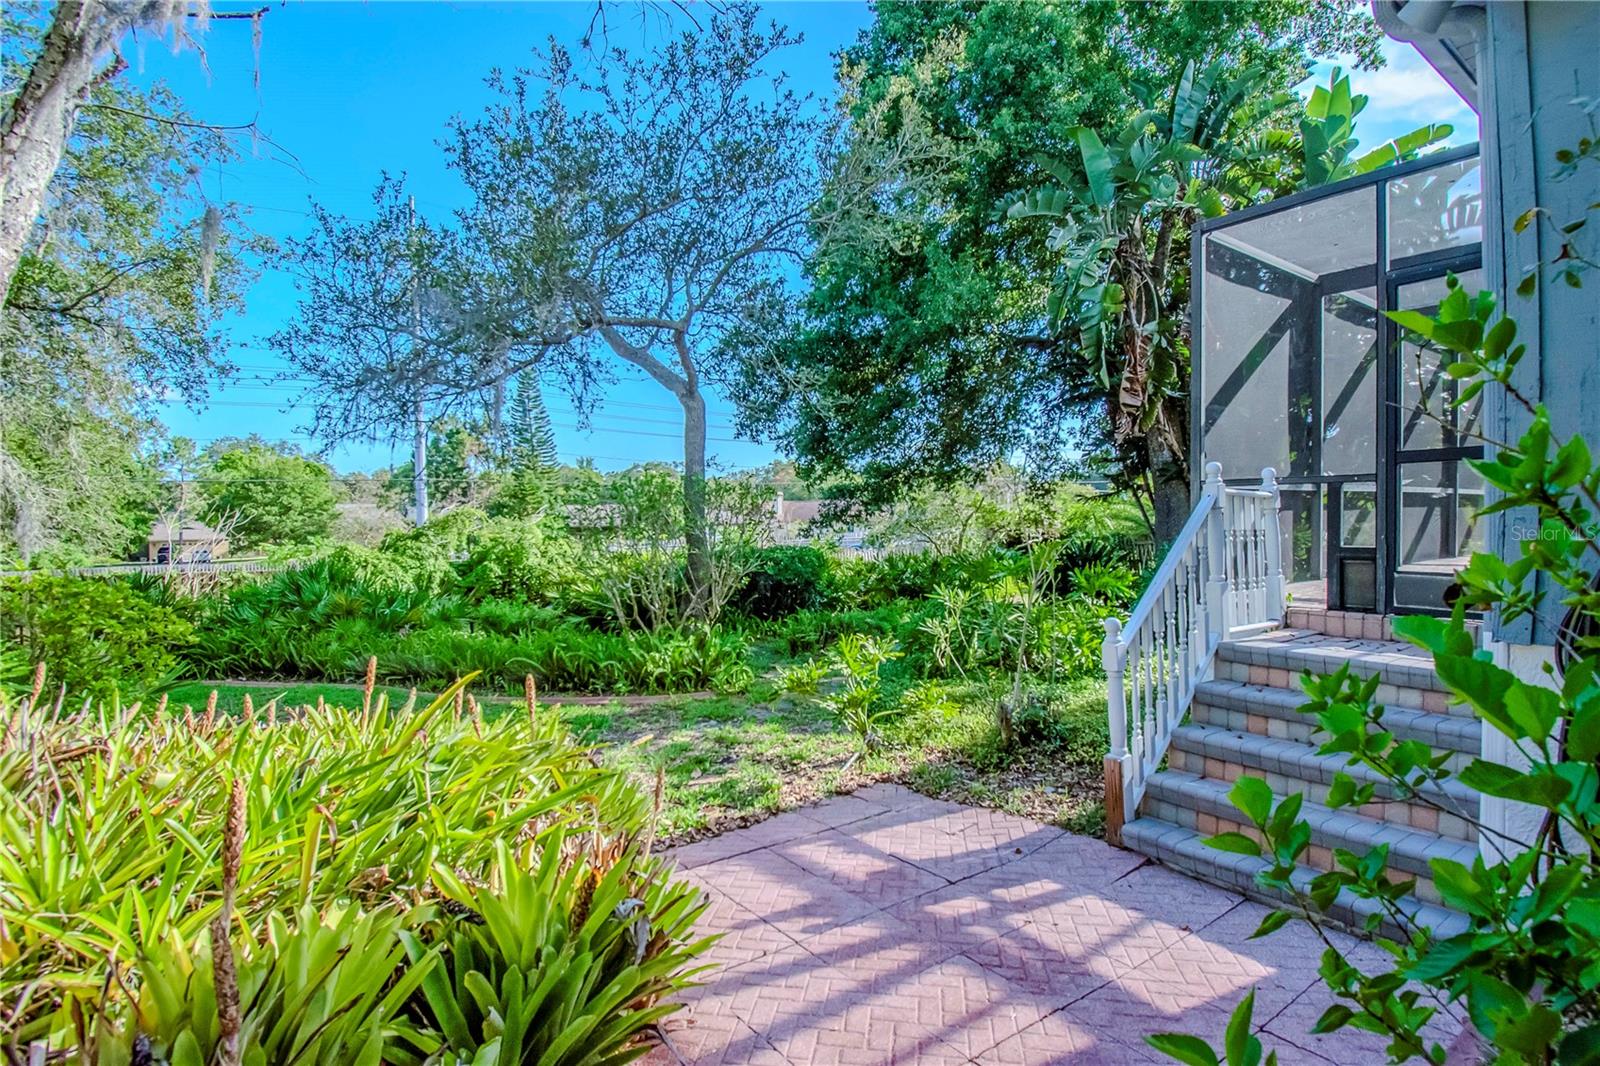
1448, 34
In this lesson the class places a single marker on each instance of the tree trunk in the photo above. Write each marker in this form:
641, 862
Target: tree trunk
35, 129
696, 528
1169, 486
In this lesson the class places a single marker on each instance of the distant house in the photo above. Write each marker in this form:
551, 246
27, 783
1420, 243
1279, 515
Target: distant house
790, 517
184, 542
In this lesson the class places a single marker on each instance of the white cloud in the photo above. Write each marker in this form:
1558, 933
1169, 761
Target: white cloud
1404, 94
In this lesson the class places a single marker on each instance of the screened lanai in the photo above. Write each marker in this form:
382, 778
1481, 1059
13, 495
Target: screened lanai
1296, 368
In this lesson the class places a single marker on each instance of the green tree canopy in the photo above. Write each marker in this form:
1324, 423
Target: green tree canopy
269, 495
461, 464
119, 290
922, 349
530, 482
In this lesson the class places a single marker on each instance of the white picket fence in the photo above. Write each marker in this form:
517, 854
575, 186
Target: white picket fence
1223, 576
232, 566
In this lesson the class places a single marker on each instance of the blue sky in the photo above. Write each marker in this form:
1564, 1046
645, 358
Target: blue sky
355, 89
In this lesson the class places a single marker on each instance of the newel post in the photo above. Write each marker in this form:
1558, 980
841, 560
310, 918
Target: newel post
1112, 657
1273, 531
1216, 541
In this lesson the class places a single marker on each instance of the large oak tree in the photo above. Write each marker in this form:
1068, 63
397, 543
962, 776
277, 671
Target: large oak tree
923, 350
639, 207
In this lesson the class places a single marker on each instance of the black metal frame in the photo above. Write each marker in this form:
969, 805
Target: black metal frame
1410, 271
1385, 276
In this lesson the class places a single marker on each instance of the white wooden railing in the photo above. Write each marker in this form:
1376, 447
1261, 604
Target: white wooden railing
1223, 576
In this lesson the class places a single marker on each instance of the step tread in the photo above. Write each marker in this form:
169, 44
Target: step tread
1305, 649
1409, 849
1458, 732
1184, 849
1292, 758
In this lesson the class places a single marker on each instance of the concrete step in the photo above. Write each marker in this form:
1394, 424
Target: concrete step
1277, 657
1202, 804
1290, 766
1340, 623
1183, 848
1357, 624
1267, 710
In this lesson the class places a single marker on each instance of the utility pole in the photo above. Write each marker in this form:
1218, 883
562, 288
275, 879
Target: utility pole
419, 448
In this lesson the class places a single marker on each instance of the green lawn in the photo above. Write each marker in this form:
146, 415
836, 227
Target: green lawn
230, 697
733, 759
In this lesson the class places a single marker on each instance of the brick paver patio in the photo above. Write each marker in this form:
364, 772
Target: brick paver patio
887, 927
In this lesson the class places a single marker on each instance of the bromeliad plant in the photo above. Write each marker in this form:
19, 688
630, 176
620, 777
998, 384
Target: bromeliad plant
1527, 971
305, 886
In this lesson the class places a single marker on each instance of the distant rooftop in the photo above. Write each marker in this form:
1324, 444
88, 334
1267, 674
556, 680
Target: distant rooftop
183, 533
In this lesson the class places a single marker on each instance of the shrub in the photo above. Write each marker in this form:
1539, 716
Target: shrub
859, 703
782, 580
97, 636
570, 659
803, 679
396, 572
806, 632
520, 560
385, 881
558, 948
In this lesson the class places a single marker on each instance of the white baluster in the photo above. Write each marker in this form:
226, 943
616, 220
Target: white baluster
1170, 663
1113, 656
1274, 546
1217, 550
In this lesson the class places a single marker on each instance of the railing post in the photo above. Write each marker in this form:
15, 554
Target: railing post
1112, 657
1275, 601
1216, 592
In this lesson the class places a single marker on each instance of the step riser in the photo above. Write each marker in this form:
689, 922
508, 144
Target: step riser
1421, 817
1305, 731
1319, 856
1442, 732
1178, 847
1389, 694
1346, 623
1341, 623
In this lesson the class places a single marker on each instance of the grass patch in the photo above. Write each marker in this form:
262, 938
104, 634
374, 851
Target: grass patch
727, 761
230, 697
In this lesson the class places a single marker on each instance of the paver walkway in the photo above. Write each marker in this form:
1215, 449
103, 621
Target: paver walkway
887, 927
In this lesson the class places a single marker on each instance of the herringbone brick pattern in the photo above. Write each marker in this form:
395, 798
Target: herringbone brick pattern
890, 928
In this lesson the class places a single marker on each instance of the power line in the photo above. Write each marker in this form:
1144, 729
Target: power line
592, 428
287, 381
716, 423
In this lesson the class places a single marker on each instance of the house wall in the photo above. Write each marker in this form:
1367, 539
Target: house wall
1506, 822
1539, 58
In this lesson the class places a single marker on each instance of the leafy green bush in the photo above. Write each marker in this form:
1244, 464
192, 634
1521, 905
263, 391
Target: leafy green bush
520, 560
403, 572
868, 584
803, 679
782, 580
97, 636
810, 631
367, 885
570, 659
859, 702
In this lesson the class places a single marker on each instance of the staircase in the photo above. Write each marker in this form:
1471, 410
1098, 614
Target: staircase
1203, 686
1244, 720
